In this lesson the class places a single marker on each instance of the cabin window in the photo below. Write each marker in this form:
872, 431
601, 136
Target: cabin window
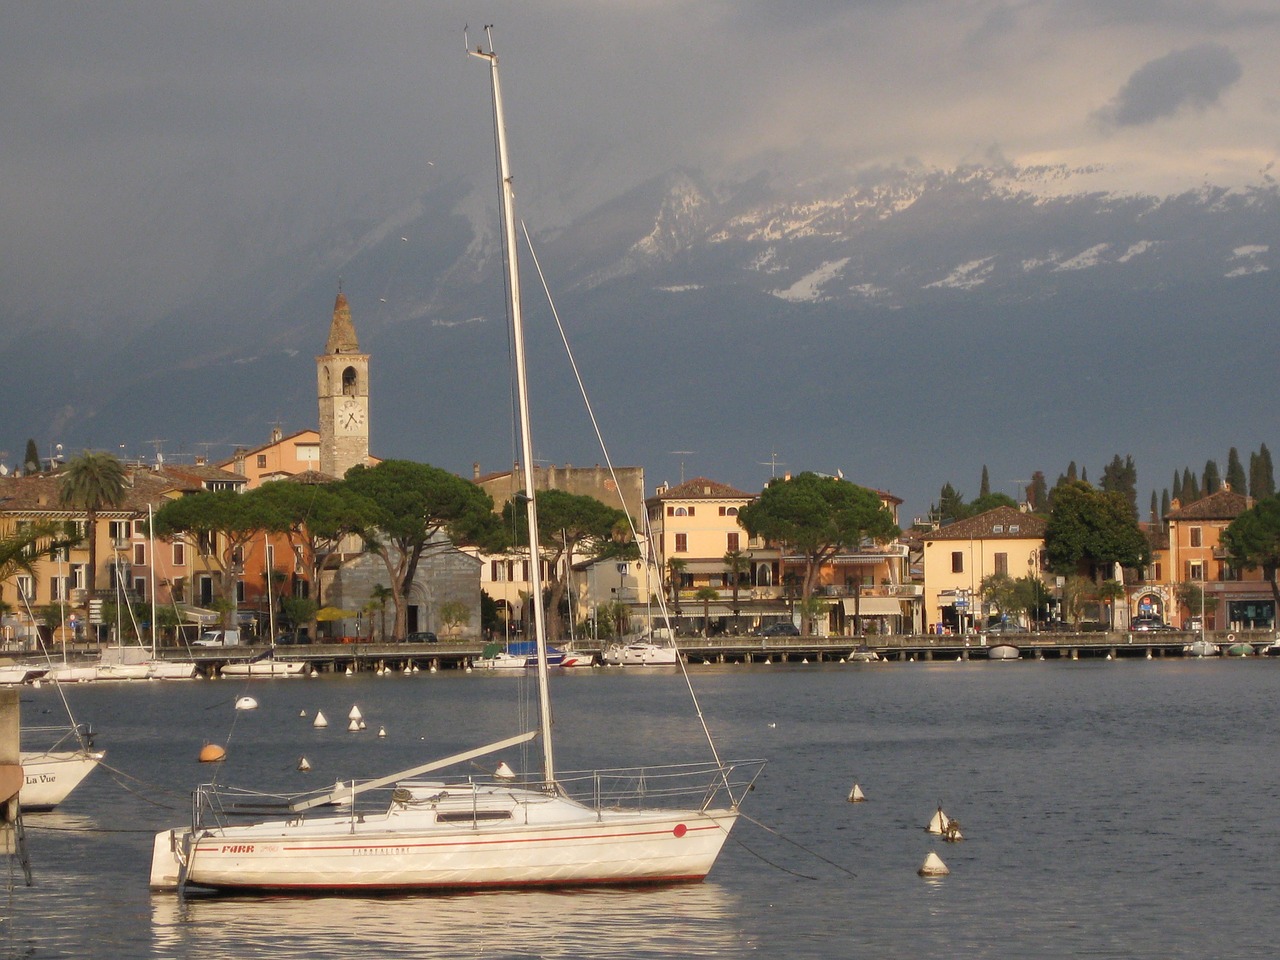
957, 561
469, 816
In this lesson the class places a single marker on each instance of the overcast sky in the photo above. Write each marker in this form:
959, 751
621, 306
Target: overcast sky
146, 145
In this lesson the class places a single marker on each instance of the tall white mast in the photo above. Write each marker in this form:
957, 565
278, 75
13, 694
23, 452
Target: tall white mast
151, 534
507, 195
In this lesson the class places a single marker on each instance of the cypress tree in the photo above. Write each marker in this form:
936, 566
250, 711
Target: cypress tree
31, 462
1267, 484
1154, 516
1235, 473
1212, 479
984, 489
1165, 503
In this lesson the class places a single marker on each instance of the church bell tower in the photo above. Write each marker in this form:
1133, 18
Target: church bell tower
342, 387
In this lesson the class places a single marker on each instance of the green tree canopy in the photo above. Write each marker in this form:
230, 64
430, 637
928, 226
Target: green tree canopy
404, 509
1253, 541
226, 527
817, 517
1094, 529
93, 482
1262, 482
569, 525
1121, 476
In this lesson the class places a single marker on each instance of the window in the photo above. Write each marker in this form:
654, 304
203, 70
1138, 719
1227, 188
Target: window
691, 511
1014, 528
139, 554
179, 554
495, 571
58, 553
998, 528
57, 588
682, 543
1002, 563
78, 576
119, 529
262, 461
957, 561
733, 541
731, 512
1195, 537
139, 528
140, 586
239, 591
207, 541
1195, 569
237, 556
679, 512
26, 588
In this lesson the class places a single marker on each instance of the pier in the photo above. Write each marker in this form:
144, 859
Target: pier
452, 654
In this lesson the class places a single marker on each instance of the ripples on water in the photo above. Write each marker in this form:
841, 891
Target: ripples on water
1111, 810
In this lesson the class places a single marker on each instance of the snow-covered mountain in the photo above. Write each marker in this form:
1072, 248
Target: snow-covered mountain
904, 325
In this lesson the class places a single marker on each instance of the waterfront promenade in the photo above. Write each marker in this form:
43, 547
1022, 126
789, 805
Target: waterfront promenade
455, 654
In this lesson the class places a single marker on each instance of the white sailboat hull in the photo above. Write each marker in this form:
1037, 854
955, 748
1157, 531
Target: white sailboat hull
265, 668
123, 671
557, 843
641, 655
49, 777
171, 669
73, 673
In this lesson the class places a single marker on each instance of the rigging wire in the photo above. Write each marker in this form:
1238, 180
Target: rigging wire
595, 425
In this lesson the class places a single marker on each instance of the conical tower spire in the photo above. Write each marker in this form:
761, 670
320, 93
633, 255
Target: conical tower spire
342, 332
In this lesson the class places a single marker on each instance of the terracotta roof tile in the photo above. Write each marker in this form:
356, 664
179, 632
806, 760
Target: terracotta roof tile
982, 527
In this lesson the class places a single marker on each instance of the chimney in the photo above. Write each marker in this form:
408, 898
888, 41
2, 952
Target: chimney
475, 470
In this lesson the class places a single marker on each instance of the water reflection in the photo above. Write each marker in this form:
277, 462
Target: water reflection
689, 921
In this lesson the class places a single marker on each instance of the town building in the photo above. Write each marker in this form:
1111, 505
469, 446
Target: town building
958, 556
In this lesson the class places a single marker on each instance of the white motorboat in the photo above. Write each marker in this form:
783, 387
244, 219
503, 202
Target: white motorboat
647, 651
50, 775
265, 668
643, 825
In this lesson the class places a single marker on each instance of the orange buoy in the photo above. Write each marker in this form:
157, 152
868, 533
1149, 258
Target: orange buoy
212, 753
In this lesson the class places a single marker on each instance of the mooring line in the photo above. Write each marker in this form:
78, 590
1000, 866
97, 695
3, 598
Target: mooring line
780, 836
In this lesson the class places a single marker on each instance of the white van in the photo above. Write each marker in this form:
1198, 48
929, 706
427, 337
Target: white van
218, 638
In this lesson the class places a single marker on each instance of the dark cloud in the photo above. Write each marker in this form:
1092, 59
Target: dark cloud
1193, 78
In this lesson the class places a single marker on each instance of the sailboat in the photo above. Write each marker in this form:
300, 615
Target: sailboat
642, 825
49, 775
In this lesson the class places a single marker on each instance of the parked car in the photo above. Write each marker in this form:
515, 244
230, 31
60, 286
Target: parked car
1148, 623
779, 630
422, 636
1004, 626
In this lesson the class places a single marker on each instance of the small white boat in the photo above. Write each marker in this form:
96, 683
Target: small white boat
50, 775
647, 651
15, 673
265, 668
1201, 648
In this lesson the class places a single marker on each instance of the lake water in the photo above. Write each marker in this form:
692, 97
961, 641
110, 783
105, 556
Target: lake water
1110, 809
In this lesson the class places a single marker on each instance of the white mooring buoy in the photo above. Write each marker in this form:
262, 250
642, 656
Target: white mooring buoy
304, 764
350, 672
355, 714
382, 732
320, 720
933, 866
246, 703
302, 713
354, 726
856, 795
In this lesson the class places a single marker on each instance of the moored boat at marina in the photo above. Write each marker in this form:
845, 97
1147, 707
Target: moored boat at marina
50, 775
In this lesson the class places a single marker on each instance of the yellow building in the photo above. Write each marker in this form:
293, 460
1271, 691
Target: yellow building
958, 556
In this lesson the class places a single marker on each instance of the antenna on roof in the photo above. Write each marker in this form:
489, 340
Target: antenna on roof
773, 463
682, 454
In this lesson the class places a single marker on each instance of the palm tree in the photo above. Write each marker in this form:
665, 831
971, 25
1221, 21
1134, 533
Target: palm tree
675, 574
706, 595
736, 563
93, 482
381, 595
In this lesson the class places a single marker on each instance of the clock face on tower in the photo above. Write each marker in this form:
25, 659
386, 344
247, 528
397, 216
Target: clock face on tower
350, 417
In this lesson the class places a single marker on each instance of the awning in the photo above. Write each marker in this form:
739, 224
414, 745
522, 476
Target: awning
198, 614
874, 607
